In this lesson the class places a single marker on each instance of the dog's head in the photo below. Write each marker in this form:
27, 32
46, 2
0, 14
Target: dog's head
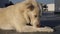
33, 11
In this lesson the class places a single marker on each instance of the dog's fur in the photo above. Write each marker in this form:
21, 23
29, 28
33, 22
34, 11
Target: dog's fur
18, 15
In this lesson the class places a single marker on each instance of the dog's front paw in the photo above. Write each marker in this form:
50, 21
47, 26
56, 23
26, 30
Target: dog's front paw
45, 29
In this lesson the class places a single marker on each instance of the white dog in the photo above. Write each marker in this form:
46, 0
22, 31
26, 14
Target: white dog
18, 15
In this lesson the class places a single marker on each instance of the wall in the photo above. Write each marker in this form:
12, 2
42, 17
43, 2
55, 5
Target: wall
3, 2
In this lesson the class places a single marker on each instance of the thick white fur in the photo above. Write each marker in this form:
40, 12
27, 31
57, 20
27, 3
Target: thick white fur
17, 16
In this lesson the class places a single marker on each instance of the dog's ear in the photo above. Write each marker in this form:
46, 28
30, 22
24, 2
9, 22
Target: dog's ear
31, 7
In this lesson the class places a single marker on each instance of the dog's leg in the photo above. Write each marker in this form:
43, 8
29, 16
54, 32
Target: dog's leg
45, 29
42, 29
31, 29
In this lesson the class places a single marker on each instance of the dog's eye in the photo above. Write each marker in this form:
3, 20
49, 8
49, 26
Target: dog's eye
31, 7
35, 15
